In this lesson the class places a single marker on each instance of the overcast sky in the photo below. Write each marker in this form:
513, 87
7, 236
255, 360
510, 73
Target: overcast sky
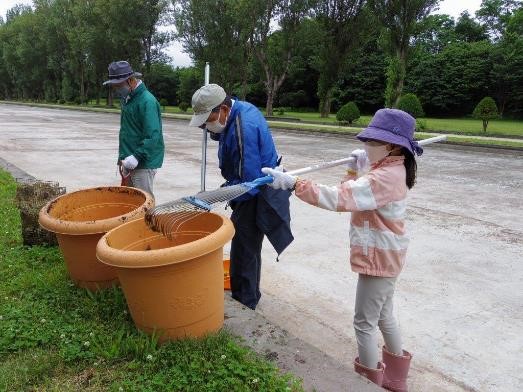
451, 7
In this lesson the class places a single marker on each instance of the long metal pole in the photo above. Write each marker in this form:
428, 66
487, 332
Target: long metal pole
204, 138
326, 165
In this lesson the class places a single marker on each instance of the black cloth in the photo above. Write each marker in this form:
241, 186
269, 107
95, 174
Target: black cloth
265, 214
273, 217
245, 267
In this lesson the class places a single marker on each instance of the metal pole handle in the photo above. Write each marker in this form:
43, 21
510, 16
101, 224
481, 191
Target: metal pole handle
204, 140
326, 165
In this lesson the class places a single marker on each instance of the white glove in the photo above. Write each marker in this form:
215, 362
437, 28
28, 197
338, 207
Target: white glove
360, 164
281, 180
130, 162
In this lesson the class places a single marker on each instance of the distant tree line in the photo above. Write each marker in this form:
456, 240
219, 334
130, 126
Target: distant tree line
296, 54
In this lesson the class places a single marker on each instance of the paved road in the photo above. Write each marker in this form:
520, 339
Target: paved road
460, 298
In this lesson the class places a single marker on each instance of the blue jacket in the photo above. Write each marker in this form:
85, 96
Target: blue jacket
246, 146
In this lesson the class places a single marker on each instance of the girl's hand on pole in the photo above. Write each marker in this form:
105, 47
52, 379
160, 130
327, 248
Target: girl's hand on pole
281, 180
360, 165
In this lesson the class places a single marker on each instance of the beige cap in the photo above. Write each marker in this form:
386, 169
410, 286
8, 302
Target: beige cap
204, 100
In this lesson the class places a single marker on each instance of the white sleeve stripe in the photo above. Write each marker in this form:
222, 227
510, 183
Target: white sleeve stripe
362, 193
328, 197
393, 210
385, 240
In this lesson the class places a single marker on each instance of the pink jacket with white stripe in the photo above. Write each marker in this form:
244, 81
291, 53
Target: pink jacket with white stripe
378, 243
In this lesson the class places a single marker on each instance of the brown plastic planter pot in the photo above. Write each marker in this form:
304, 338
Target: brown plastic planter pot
173, 287
81, 218
226, 274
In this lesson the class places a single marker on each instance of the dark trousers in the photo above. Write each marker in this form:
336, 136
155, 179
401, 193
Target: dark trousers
245, 269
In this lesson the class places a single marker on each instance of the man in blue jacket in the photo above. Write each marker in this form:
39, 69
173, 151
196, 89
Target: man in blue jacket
245, 146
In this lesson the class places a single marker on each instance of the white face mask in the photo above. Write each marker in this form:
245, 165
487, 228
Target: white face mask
376, 153
216, 126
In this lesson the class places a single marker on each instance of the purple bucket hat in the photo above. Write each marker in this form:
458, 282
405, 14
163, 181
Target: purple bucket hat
392, 126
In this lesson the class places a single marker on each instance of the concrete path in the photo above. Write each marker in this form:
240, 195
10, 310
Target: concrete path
460, 298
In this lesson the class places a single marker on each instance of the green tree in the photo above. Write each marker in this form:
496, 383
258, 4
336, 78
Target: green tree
363, 81
218, 33
150, 15
275, 50
400, 19
495, 14
434, 33
191, 79
507, 67
468, 30
410, 103
486, 110
348, 113
163, 81
300, 87
24, 53
451, 82
345, 25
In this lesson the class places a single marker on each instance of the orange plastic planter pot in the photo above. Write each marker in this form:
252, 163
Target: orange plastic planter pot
226, 274
81, 218
173, 287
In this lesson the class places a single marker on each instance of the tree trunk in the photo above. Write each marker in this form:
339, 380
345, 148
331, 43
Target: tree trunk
243, 91
395, 78
485, 123
400, 77
82, 87
325, 102
502, 103
325, 107
270, 102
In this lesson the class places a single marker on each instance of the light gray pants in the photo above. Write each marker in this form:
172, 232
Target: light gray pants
143, 179
374, 309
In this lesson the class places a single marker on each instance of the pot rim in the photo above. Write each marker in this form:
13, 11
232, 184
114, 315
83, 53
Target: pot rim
99, 226
139, 259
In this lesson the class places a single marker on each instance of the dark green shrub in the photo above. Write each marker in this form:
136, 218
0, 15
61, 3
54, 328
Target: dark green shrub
280, 111
486, 110
348, 113
183, 106
410, 103
164, 103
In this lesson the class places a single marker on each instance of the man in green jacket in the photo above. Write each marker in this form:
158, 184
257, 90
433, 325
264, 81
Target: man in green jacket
141, 147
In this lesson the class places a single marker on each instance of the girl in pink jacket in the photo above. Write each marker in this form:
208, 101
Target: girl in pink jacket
378, 242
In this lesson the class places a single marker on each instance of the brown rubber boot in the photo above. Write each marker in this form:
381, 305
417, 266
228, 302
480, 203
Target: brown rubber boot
396, 370
374, 375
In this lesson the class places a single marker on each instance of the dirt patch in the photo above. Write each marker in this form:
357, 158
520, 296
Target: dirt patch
30, 198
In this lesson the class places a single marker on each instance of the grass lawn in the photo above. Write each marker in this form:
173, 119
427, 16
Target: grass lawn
463, 126
454, 125
466, 126
57, 337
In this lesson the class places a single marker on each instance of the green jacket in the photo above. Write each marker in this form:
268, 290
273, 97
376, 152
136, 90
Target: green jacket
141, 129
